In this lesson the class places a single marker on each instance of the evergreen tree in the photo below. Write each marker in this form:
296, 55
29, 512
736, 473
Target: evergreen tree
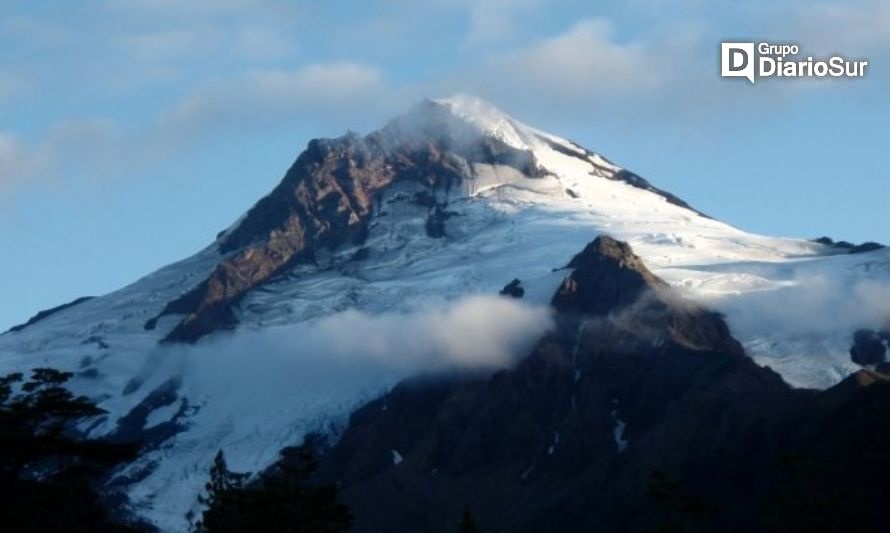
281, 500
224, 498
47, 473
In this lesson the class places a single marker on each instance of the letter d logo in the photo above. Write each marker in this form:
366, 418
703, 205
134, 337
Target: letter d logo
737, 60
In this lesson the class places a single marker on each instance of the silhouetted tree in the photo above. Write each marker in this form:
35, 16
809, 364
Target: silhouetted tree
223, 499
280, 500
48, 474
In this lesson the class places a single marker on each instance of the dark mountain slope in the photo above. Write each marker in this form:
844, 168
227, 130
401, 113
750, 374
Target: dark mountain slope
634, 382
547, 436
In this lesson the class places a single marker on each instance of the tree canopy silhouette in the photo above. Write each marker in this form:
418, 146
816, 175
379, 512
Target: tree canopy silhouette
48, 473
282, 499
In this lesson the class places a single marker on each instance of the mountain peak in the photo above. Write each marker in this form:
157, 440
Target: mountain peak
443, 150
470, 118
606, 276
480, 113
469, 105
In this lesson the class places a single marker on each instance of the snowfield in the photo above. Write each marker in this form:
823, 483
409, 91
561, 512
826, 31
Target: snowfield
793, 303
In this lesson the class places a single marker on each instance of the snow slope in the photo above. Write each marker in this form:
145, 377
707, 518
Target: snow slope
791, 302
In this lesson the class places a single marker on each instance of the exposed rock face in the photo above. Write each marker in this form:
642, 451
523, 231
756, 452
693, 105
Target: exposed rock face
326, 200
641, 183
134, 427
435, 222
632, 378
513, 289
624, 175
607, 276
870, 246
868, 348
850, 248
609, 280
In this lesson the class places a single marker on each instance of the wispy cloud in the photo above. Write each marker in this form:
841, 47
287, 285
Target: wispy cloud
857, 27
491, 21
264, 97
585, 62
591, 72
13, 160
810, 306
98, 148
232, 67
474, 332
89, 148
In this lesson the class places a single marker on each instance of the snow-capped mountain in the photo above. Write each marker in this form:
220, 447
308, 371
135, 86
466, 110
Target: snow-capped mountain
231, 348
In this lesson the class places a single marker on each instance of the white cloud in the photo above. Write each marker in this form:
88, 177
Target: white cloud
219, 64
586, 61
13, 159
493, 20
310, 376
249, 38
588, 70
474, 332
666, 75
855, 28
98, 148
812, 305
93, 144
89, 149
263, 97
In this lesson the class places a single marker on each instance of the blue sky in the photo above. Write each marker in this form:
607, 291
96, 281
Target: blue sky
132, 131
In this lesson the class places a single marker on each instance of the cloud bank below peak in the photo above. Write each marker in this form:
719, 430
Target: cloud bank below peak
472, 332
